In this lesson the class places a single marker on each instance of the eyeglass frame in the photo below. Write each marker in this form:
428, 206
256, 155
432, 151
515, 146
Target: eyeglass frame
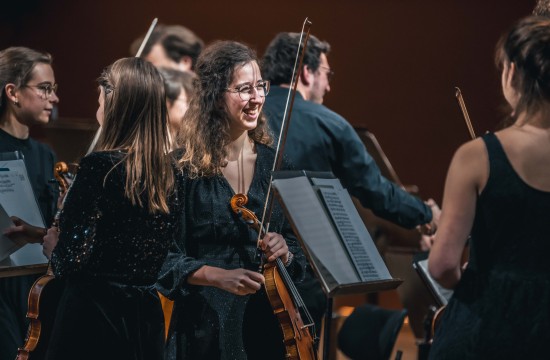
330, 72
266, 86
46, 89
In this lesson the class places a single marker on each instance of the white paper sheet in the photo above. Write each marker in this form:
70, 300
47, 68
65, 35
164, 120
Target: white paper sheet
17, 199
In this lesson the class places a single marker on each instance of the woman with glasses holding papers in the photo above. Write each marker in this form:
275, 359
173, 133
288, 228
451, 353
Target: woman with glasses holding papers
27, 98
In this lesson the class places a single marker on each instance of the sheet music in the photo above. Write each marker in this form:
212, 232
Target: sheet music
355, 237
17, 198
7, 246
315, 227
16, 194
332, 183
442, 294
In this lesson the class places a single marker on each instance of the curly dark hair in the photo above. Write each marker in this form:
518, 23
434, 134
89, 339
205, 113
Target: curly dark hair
278, 60
542, 8
527, 45
205, 131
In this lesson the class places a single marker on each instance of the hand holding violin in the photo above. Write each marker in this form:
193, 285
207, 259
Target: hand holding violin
428, 230
236, 281
50, 241
431, 227
274, 246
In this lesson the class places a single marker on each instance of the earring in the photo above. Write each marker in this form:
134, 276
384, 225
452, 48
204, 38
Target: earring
15, 102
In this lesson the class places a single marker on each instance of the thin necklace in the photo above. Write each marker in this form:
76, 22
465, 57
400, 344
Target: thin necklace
240, 171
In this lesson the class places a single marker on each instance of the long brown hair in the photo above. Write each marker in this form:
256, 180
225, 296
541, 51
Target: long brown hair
205, 131
135, 121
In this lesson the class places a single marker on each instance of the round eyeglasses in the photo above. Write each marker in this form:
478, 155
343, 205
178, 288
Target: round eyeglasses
246, 91
45, 90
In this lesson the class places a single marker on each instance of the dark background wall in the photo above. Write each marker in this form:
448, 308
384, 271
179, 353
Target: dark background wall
396, 62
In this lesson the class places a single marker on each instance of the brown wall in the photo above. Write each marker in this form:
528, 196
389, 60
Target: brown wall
396, 62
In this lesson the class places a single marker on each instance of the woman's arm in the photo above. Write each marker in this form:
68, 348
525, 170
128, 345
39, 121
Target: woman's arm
79, 217
467, 175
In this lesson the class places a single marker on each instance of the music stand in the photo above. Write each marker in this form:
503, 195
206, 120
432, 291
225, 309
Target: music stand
332, 235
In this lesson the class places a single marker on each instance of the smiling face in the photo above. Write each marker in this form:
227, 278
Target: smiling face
34, 105
243, 115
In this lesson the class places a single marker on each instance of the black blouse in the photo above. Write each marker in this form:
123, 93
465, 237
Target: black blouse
208, 321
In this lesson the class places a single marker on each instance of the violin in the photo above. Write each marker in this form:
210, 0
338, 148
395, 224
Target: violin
45, 292
282, 294
299, 339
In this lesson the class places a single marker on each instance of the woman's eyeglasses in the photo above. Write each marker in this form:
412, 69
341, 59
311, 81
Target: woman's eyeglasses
246, 91
45, 90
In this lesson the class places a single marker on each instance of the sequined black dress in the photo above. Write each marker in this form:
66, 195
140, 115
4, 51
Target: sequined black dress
109, 253
207, 322
501, 307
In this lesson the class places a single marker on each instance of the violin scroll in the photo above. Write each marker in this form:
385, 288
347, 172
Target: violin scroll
64, 177
238, 202
59, 171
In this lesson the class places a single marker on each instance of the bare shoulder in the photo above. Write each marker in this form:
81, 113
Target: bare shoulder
471, 163
472, 153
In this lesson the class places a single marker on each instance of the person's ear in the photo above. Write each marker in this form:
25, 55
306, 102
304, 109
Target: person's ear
306, 77
185, 63
11, 93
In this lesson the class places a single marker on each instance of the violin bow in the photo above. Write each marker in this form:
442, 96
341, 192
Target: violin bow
147, 36
462, 105
138, 54
296, 73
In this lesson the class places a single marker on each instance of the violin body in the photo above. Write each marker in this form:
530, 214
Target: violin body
296, 336
43, 299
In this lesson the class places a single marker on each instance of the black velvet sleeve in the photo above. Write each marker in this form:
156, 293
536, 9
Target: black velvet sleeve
172, 279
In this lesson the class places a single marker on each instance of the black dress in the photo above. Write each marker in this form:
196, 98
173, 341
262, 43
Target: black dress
207, 322
501, 307
109, 252
14, 291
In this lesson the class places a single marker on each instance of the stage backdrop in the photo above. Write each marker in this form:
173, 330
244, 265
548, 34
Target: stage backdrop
396, 62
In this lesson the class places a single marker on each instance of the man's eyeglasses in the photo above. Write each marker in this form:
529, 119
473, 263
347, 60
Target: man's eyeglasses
246, 91
330, 73
45, 90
